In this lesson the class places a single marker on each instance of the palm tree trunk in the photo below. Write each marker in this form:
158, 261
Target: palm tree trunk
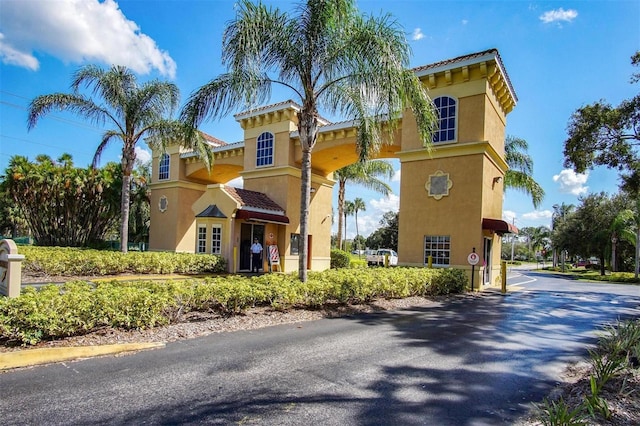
341, 192
305, 199
124, 218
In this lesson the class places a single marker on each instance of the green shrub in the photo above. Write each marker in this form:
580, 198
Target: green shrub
340, 259
78, 307
68, 261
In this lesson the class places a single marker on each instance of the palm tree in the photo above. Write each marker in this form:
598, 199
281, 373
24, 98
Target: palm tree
349, 208
365, 174
328, 56
626, 226
358, 206
135, 110
520, 169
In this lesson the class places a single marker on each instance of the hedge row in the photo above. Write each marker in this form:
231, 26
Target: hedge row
78, 307
67, 261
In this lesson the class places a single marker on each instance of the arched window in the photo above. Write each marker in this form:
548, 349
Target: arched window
163, 169
447, 113
264, 150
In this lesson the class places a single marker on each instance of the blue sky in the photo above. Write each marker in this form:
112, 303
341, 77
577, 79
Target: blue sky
560, 55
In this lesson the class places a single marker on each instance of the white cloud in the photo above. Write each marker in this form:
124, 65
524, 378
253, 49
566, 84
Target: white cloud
538, 215
142, 155
236, 183
558, 15
417, 34
396, 176
386, 204
77, 31
509, 215
465, 21
11, 56
571, 182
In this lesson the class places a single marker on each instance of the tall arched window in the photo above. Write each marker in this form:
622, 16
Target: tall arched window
447, 113
163, 168
264, 150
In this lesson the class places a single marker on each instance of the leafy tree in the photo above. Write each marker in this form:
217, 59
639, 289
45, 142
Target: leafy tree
626, 226
64, 205
328, 56
387, 235
519, 175
136, 111
365, 174
12, 223
603, 135
560, 213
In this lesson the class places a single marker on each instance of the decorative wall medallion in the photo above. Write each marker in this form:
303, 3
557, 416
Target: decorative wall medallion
438, 185
163, 203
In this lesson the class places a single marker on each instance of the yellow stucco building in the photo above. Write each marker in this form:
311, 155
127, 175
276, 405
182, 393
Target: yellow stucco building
450, 196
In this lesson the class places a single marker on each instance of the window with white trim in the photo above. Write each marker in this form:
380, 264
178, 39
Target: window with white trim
264, 150
439, 248
202, 239
447, 118
163, 169
216, 239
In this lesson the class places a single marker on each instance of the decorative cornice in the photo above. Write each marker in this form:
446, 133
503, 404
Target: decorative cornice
455, 150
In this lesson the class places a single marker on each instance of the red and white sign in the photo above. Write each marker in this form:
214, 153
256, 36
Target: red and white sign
473, 258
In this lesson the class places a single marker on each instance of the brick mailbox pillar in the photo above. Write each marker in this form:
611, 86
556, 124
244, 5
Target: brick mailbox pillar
10, 269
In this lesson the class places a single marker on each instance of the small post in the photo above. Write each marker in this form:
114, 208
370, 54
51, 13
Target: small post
10, 269
503, 267
430, 261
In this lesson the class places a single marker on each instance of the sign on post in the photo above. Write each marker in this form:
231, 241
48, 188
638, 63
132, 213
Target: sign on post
473, 258
10, 268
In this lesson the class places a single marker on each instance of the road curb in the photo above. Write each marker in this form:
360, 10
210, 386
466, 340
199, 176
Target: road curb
29, 357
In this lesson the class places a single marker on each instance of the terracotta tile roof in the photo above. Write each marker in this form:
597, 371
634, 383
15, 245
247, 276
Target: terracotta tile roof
253, 199
275, 107
424, 68
213, 140
458, 59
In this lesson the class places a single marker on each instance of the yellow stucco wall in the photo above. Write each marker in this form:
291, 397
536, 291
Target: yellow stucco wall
473, 162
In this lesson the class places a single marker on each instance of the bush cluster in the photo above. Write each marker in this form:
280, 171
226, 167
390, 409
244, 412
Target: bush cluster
340, 259
68, 261
78, 307
613, 362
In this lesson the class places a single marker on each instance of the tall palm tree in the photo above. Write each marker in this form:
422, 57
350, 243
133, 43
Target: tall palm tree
329, 56
365, 174
136, 111
348, 211
519, 175
358, 206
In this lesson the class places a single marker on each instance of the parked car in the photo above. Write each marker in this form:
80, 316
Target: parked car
591, 263
378, 257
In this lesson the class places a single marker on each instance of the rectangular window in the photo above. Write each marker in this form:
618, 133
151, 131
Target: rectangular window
296, 244
216, 239
439, 248
202, 239
163, 169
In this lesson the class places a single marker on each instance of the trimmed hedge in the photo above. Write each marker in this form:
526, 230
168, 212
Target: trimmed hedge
340, 259
78, 307
67, 261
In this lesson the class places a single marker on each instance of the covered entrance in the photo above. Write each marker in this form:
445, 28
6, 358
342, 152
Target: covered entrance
249, 231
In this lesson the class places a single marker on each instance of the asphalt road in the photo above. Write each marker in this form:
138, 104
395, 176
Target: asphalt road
468, 360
